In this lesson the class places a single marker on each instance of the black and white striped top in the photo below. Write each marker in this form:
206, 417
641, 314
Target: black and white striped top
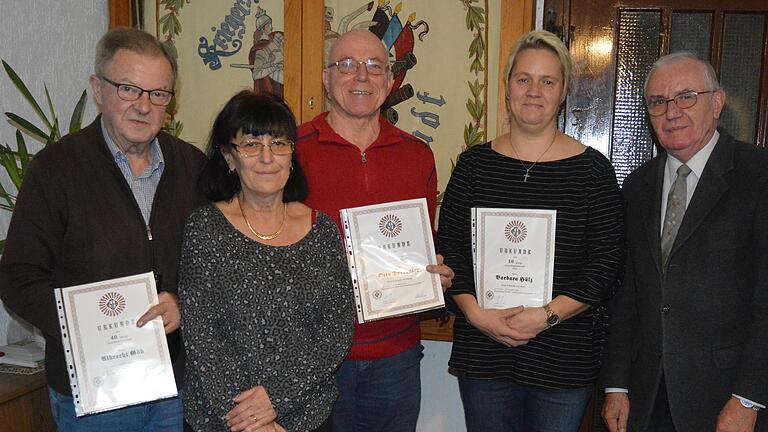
588, 257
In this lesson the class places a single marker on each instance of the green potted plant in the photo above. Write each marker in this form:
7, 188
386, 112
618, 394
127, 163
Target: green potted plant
15, 161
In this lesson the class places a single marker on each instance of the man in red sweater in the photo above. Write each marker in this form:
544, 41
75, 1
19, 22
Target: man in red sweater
353, 157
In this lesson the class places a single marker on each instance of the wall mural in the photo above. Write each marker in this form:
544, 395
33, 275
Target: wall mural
439, 49
439, 52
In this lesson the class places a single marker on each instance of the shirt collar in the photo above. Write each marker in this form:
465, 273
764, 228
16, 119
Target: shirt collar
695, 163
119, 155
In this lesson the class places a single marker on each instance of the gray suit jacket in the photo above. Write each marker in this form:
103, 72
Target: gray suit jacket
704, 321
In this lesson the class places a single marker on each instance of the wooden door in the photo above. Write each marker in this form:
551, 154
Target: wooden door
614, 43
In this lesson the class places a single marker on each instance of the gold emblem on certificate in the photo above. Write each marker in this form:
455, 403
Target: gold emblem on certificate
514, 256
388, 248
113, 362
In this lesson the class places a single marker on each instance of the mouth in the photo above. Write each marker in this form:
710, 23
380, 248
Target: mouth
674, 129
360, 92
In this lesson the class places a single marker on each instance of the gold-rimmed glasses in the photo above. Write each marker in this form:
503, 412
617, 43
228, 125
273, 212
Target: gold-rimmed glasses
254, 146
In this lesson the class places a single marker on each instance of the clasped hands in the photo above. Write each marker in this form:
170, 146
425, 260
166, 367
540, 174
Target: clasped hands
512, 326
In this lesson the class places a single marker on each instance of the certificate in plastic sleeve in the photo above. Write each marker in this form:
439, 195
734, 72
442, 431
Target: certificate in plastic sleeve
388, 248
113, 363
514, 255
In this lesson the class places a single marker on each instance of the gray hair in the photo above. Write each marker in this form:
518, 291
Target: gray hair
710, 77
133, 40
541, 39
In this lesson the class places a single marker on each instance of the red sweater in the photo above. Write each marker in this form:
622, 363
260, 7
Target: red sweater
397, 166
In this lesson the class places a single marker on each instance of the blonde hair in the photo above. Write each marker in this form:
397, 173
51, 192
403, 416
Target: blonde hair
541, 39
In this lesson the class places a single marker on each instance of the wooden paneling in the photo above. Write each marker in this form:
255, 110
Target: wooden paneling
292, 62
312, 59
517, 18
24, 405
119, 13
303, 87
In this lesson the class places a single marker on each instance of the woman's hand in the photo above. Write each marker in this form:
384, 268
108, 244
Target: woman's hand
253, 411
493, 323
445, 272
272, 427
528, 323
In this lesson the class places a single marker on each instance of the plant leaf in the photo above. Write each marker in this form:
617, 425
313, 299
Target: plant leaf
8, 161
22, 152
27, 127
75, 122
25, 92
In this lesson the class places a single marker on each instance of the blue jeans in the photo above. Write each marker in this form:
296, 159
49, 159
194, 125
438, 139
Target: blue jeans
491, 406
159, 416
379, 395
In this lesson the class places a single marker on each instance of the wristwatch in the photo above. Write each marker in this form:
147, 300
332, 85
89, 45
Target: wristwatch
552, 318
749, 404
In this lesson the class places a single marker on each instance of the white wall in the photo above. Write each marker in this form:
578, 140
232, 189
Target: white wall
51, 42
440, 402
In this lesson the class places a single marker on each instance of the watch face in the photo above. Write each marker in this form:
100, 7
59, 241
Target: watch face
552, 320
746, 403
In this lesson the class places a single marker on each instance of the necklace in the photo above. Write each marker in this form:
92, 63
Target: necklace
528, 168
263, 236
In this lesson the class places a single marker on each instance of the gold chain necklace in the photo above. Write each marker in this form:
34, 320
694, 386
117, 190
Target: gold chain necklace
272, 236
528, 168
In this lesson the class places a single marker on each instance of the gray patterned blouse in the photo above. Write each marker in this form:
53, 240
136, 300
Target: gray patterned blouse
252, 314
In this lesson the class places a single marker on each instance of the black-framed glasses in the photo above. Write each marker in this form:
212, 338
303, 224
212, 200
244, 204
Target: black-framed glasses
350, 66
130, 93
254, 147
658, 105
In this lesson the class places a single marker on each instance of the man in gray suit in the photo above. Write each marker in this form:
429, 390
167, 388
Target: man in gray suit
689, 327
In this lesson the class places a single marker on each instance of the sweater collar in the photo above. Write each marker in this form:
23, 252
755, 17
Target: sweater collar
388, 133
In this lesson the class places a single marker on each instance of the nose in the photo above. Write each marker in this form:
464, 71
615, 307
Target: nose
143, 104
673, 111
266, 155
362, 72
533, 90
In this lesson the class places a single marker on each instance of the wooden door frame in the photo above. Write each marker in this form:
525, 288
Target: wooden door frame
303, 88
119, 13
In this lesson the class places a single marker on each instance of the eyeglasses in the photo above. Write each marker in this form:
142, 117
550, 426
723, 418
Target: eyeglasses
658, 105
130, 93
254, 147
350, 66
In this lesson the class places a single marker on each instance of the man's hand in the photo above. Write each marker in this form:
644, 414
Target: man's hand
445, 272
735, 418
616, 411
167, 308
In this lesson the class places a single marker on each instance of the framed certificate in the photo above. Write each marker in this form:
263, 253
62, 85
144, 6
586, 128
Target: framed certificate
388, 248
112, 362
514, 254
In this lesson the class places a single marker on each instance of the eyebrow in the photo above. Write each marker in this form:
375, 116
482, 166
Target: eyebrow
686, 90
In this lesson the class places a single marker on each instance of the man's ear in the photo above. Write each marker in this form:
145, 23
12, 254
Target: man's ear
718, 101
95, 83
